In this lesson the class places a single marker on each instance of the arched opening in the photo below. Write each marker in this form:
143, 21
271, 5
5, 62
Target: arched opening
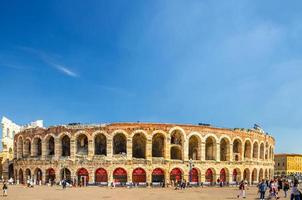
139, 175
261, 175
210, 148
66, 175
246, 175
194, 148
255, 150
38, 176
50, 175
224, 150
158, 145
176, 145
209, 176
21, 178
27, 148
194, 175
254, 176
119, 144
100, 145
237, 150
266, 174
11, 171
224, 174
139, 146
236, 175
261, 151
120, 175
176, 175
20, 147
65, 146
50, 144
247, 149
158, 176
27, 174
101, 176
266, 151
37, 147
83, 177
82, 145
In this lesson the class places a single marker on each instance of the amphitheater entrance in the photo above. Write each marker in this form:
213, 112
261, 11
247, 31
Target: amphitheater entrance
100, 145
38, 176
237, 150
158, 176
223, 175
139, 175
236, 175
66, 174
139, 146
254, 176
27, 174
21, 177
194, 176
83, 177
120, 176
37, 147
175, 175
194, 148
210, 148
51, 146
158, 145
65, 146
209, 176
246, 175
11, 170
101, 176
27, 148
176, 151
224, 150
50, 175
82, 145
119, 144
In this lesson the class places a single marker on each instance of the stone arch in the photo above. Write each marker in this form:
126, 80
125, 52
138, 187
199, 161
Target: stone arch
119, 143
50, 145
255, 150
247, 149
50, 175
270, 153
27, 174
101, 176
158, 144
139, 144
176, 153
194, 147
100, 144
37, 146
210, 150
210, 175
27, 147
261, 175
194, 175
176, 174
237, 149
266, 174
236, 175
158, 175
246, 175
65, 173
20, 147
262, 151
38, 175
224, 175
65, 145
139, 175
177, 143
254, 176
120, 175
81, 143
224, 149
82, 176
21, 177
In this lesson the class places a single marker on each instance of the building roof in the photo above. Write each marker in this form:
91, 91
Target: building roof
288, 154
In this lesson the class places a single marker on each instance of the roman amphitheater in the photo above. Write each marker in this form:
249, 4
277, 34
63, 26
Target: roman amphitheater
142, 153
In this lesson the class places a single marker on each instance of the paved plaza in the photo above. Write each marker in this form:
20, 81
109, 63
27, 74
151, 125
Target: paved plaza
97, 193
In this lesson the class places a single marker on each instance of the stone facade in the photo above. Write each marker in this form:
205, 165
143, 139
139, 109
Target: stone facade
143, 152
288, 164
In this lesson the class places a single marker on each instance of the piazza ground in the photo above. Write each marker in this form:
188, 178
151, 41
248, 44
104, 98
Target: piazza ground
18, 192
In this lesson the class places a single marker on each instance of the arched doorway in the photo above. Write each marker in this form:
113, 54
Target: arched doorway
21, 178
158, 145
254, 176
50, 144
27, 174
66, 174
83, 177
139, 175
236, 175
139, 146
175, 175
158, 176
100, 145
223, 175
11, 170
119, 144
101, 176
246, 175
38, 176
120, 175
209, 176
237, 149
82, 145
50, 175
176, 150
194, 175
194, 148
224, 149
210, 152
65, 145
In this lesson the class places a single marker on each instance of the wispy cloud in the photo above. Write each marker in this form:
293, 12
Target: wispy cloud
63, 69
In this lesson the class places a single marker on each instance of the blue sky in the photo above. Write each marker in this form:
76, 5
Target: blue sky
227, 63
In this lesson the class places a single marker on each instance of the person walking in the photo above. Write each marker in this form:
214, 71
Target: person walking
4, 188
295, 193
285, 188
241, 190
262, 189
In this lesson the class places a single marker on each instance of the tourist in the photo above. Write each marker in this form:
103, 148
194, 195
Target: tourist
279, 185
262, 189
285, 188
242, 190
64, 184
4, 188
274, 189
295, 193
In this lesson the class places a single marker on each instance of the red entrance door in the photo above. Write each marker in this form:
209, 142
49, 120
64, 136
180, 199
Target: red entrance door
194, 175
101, 175
175, 174
120, 175
139, 175
222, 175
158, 175
209, 176
51, 175
83, 177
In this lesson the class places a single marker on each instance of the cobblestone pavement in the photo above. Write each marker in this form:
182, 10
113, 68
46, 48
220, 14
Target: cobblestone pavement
97, 193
